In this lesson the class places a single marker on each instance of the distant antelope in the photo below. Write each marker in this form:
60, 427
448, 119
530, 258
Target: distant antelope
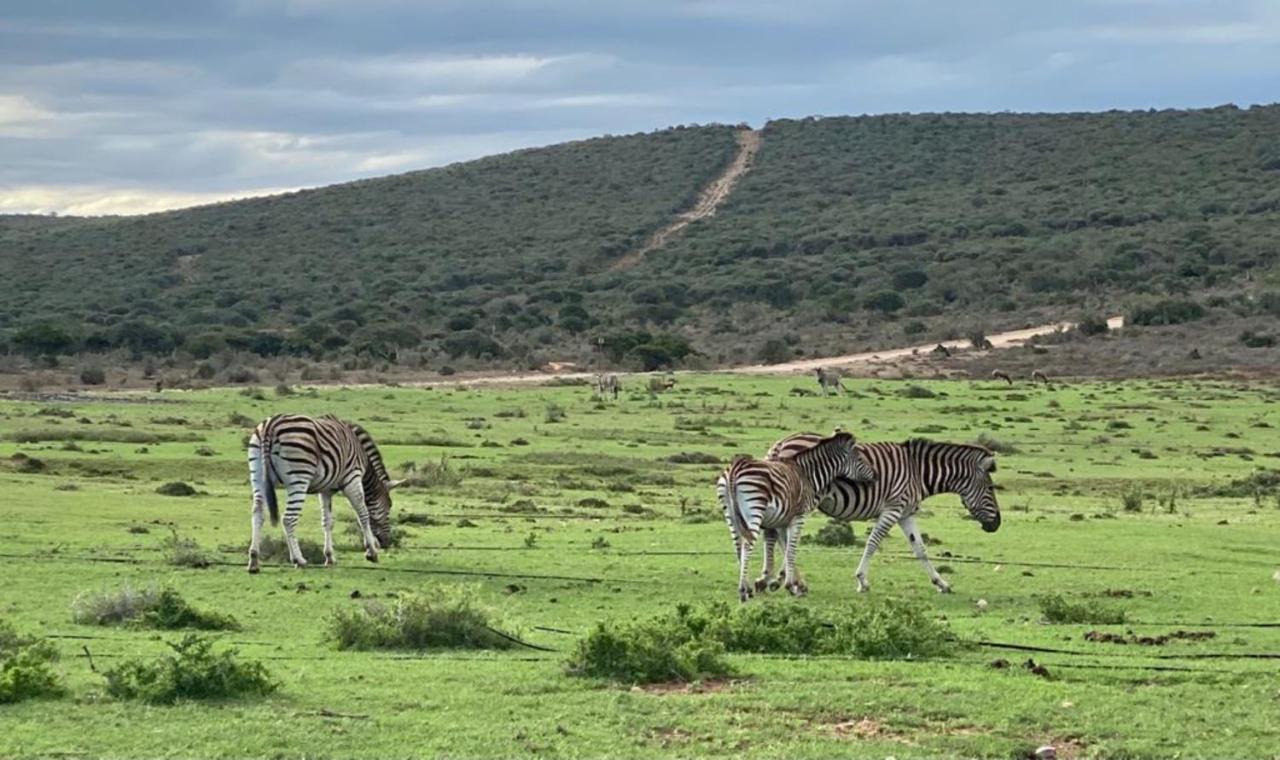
829, 379
1037, 375
1001, 375
607, 382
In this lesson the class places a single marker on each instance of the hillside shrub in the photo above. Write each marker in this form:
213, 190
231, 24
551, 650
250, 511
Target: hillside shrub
93, 376
1166, 312
445, 617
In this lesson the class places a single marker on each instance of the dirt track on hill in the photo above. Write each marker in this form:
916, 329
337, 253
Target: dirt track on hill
708, 200
1002, 340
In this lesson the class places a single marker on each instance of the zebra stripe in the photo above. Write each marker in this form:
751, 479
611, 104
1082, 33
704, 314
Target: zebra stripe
776, 495
320, 455
607, 382
905, 474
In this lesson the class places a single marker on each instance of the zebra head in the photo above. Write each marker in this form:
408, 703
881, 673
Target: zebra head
978, 492
377, 498
832, 457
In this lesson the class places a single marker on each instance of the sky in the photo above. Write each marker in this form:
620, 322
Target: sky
121, 107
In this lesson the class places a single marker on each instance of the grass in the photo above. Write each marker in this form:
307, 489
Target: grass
147, 607
1058, 609
193, 672
667, 545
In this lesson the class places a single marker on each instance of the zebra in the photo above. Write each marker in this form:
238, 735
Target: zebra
829, 379
607, 382
318, 455
777, 495
905, 474
997, 374
1038, 376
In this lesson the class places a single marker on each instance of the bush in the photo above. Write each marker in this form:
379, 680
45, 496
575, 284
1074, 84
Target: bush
1131, 500
193, 671
834, 533
1166, 312
1057, 609
885, 302
1253, 339
1091, 325
92, 376
26, 670
774, 351
555, 413
694, 457
917, 391
443, 618
185, 552
147, 608
176, 488
434, 475
657, 650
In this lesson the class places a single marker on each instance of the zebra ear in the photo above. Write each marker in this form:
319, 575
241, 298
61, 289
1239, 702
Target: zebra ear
396, 483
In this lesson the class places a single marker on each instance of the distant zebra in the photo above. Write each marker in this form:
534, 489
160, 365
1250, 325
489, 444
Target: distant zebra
607, 382
997, 374
318, 455
829, 379
1038, 376
776, 495
905, 474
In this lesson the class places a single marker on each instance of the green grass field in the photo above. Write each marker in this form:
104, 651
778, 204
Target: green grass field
521, 528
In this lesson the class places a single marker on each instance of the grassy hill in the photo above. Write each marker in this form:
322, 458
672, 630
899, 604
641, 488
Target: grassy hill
847, 233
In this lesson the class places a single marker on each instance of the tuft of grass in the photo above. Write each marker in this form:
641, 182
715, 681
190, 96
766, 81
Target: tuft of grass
149, 607
917, 391
1058, 609
693, 457
185, 552
1131, 500
272, 547
555, 413
447, 617
193, 671
436, 474
988, 441
176, 488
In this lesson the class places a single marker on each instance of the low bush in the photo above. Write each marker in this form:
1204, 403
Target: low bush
443, 618
26, 670
436, 474
834, 533
694, 457
193, 671
917, 391
1166, 312
1091, 325
1058, 609
93, 376
185, 552
993, 444
149, 607
1131, 500
555, 413
272, 548
657, 650
176, 488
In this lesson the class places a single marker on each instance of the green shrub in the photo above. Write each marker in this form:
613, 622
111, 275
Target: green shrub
657, 650
92, 376
148, 608
193, 671
694, 457
1131, 500
1090, 325
774, 351
1253, 339
1167, 312
176, 488
555, 413
834, 533
272, 547
26, 670
1058, 609
917, 391
444, 618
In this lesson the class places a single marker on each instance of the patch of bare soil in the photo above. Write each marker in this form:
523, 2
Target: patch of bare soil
709, 686
866, 728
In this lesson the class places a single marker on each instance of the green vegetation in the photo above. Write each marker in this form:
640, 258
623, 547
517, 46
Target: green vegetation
442, 618
193, 671
627, 531
885, 225
147, 607
26, 668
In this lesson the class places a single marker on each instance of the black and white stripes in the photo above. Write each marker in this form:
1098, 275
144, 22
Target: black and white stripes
776, 495
318, 455
905, 474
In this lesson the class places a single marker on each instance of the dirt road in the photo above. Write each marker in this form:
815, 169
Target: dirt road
708, 200
998, 341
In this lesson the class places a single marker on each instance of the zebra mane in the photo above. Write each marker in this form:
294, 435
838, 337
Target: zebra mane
919, 444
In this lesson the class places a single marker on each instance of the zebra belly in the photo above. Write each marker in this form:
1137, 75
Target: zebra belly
775, 516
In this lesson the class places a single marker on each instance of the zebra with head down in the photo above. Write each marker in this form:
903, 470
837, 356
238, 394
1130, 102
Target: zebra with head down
905, 474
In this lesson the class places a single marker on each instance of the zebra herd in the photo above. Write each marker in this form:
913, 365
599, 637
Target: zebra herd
769, 496
846, 480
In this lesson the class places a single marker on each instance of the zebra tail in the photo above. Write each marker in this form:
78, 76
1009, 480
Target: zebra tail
267, 488
740, 522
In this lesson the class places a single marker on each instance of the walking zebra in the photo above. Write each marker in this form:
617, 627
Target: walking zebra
829, 379
776, 495
607, 382
905, 474
318, 455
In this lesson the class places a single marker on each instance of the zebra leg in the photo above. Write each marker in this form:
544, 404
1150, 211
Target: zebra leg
296, 496
884, 524
791, 544
744, 558
767, 581
326, 519
354, 491
257, 519
908, 525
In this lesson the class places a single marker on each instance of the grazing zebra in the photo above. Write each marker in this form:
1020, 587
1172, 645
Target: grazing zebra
829, 379
607, 382
318, 455
998, 374
1037, 375
905, 474
777, 495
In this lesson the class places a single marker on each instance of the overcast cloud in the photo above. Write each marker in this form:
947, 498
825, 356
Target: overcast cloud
109, 106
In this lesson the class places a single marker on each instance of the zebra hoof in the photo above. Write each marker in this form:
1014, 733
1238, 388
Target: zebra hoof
329, 561
253, 568
744, 594
764, 584
371, 556
775, 584
301, 564
943, 588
